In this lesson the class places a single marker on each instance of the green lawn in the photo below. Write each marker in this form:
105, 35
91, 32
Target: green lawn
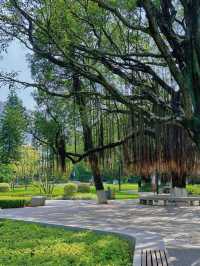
31, 191
193, 189
128, 191
124, 187
59, 191
28, 244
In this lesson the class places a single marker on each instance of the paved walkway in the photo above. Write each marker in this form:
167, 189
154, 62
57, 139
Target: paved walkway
179, 227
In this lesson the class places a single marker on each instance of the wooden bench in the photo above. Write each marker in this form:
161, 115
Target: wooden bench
154, 258
167, 199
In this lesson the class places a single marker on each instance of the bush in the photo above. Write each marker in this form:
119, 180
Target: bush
4, 187
13, 203
70, 189
145, 188
83, 188
6, 173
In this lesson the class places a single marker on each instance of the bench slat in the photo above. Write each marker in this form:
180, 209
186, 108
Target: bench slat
153, 258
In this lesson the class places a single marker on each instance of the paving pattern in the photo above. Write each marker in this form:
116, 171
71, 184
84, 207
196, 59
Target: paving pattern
178, 226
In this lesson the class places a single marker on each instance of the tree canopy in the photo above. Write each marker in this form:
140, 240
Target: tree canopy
136, 62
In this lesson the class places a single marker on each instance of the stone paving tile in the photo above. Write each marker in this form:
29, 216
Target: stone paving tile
184, 256
178, 226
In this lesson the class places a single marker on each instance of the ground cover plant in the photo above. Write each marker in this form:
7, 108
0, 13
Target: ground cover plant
23, 243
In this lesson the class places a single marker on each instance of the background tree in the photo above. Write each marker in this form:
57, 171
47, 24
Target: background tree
27, 166
52, 128
6, 173
12, 129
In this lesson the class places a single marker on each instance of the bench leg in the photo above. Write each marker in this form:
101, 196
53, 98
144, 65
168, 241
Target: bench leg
165, 203
150, 202
191, 203
172, 203
142, 201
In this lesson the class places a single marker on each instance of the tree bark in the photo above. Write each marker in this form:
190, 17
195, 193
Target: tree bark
178, 180
88, 142
96, 172
62, 154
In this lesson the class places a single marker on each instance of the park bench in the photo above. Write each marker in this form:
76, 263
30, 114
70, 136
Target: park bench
167, 199
154, 258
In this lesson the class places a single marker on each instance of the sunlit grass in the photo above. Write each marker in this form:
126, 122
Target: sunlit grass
128, 191
28, 244
193, 189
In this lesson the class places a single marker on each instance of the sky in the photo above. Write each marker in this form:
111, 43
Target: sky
15, 60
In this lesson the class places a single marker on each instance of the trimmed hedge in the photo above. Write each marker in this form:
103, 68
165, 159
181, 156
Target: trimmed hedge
70, 189
4, 187
83, 188
6, 203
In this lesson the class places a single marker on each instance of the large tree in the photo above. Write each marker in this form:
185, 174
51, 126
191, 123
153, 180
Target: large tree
144, 54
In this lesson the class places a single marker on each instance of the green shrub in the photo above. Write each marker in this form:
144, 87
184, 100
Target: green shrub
83, 188
70, 189
6, 173
4, 187
6, 203
145, 188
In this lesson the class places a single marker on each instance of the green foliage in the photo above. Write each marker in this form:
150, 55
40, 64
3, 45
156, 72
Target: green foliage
12, 129
193, 189
83, 188
70, 189
81, 172
46, 128
146, 187
6, 203
4, 187
51, 126
46, 186
6, 172
59, 177
124, 4
157, 3
45, 245
27, 165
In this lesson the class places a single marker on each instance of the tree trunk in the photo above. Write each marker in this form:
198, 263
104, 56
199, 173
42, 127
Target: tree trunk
88, 142
96, 172
178, 180
62, 154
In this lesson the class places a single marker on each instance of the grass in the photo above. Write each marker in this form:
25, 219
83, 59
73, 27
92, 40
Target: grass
59, 191
31, 191
23, 243
193, 189
124, 187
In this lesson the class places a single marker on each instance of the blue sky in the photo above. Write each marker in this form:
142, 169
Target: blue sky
15, 60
